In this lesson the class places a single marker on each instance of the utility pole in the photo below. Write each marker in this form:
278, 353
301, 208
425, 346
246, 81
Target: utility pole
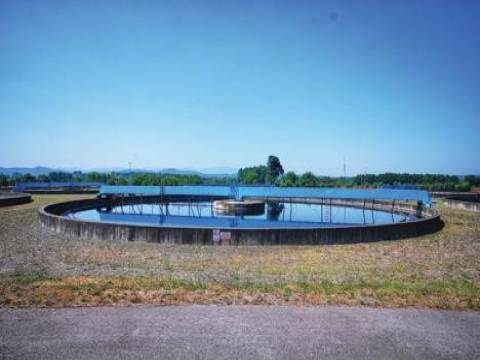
344, 168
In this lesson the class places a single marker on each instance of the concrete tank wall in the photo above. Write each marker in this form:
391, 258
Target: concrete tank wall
8, 198
463, 204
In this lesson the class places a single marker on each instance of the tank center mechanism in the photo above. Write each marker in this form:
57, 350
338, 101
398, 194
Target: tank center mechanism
239, 207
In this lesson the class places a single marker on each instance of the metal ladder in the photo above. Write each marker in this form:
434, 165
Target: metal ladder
326, 209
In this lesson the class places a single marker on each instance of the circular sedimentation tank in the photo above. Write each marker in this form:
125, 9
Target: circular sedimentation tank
468, 201
14, 198
200, 219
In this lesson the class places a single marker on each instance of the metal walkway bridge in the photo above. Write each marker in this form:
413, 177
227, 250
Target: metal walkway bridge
25, 186
241, 192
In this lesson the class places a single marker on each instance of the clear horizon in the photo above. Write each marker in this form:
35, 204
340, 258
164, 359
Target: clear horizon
389, 86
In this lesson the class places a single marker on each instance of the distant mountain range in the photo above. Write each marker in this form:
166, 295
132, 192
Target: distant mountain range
38, 170
207, 172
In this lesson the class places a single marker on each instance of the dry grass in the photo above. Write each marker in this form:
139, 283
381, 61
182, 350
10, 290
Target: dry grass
42, 268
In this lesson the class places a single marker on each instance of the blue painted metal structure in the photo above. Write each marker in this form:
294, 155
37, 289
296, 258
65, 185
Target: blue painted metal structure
25, 186
240, 192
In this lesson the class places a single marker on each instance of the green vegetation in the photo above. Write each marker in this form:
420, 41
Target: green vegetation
109, 290
115, 178
253, 175
274, 170
272, 174
170, 179
269, 174
433, 182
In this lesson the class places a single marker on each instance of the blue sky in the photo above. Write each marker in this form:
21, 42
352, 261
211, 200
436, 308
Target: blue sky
389, 85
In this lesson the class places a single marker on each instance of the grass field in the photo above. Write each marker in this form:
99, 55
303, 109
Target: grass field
41, 268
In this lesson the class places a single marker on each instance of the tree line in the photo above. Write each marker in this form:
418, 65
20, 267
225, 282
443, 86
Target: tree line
115, 178
272, 173
431, 182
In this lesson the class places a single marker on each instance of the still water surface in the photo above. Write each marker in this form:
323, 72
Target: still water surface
203, 215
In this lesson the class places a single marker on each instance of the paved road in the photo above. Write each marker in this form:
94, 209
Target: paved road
238, 332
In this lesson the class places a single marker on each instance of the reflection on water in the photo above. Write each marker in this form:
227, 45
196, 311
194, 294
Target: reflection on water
276, 215
274, 210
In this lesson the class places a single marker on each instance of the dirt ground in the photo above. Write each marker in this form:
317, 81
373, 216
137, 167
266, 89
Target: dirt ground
39, 267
